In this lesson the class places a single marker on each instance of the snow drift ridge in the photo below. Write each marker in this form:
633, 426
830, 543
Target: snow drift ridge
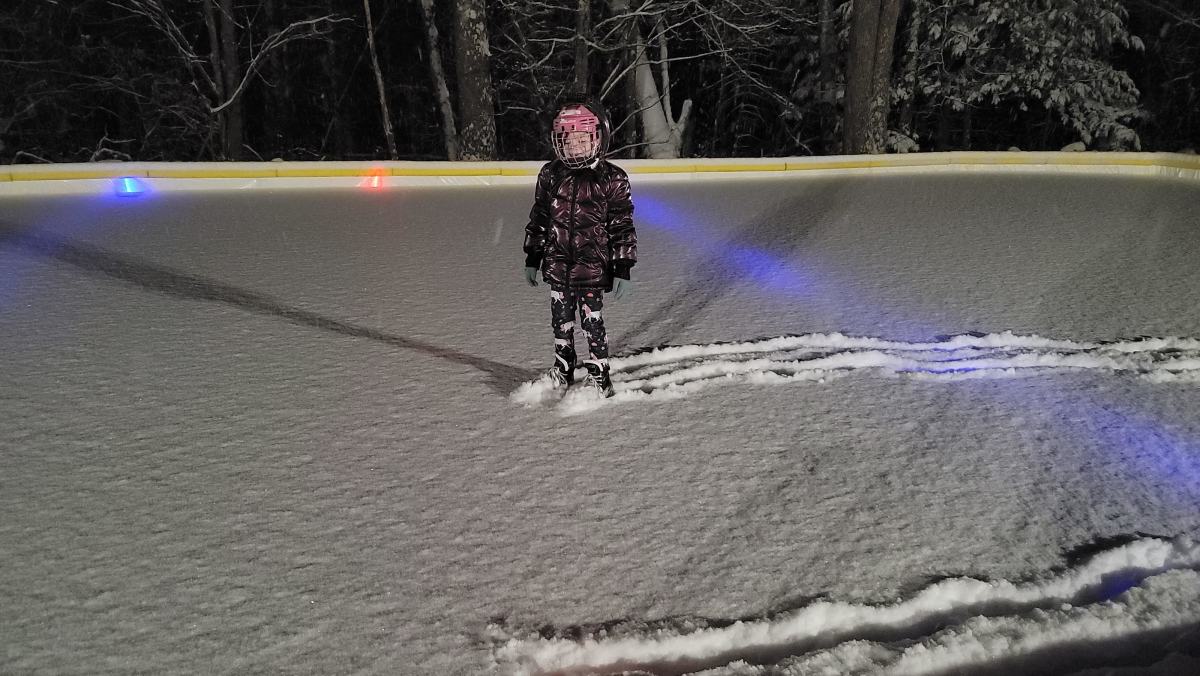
1146, 585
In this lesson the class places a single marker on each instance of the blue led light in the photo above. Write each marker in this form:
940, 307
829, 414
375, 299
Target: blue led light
128, 185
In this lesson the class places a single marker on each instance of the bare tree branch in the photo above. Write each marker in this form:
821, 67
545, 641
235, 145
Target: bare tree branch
299, 30
156, 13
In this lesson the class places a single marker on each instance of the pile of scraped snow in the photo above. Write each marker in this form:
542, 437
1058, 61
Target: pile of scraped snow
1113, 606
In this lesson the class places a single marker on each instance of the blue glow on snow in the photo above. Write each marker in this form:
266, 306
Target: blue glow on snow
1120, 437
659, 215
1125, 444
765, 269
768, 270
1166, 455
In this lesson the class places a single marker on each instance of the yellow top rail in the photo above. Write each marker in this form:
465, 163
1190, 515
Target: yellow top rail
253, 170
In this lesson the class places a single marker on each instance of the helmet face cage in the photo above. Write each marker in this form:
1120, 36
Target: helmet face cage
577, 136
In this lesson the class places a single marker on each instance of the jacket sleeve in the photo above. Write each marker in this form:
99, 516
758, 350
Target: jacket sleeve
621, 235
539, 220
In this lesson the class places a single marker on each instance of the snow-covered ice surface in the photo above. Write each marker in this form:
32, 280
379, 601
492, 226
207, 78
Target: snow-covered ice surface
892, 424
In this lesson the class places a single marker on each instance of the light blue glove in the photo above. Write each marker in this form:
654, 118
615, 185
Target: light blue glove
531, 276
621, 287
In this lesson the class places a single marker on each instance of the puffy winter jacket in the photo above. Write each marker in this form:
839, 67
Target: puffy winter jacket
580, 230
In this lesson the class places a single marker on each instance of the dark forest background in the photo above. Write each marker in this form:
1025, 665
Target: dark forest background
91, 80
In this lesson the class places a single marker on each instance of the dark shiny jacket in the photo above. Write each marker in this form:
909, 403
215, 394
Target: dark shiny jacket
580, 231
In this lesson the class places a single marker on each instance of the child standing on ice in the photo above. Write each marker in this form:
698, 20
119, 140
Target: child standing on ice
581, 237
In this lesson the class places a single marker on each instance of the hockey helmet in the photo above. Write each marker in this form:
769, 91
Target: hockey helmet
580, 132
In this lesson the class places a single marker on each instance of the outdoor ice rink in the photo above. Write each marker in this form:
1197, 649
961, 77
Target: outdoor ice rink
292, 431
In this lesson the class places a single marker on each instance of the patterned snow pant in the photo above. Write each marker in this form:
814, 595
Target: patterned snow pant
565, 303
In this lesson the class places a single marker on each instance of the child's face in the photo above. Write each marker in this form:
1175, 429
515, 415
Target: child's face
579, 144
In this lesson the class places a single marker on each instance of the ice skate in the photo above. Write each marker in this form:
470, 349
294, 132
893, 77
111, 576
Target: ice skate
559, 378
598, 379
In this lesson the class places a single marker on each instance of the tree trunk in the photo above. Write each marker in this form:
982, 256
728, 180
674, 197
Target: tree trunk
881, 81
942, 136
633, 130
868, 91
967, 128
583, 31
217, 68
912, 69
438, 78
231, 116
475, 89
382, 91
662, 133
277, 104
827, 92
231, 66
860, 71
720, 144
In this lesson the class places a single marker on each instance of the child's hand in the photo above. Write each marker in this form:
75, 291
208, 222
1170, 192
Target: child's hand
531, 276
621, 287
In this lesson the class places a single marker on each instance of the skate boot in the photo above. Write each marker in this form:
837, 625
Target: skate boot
597, 378
559, 378
562, 374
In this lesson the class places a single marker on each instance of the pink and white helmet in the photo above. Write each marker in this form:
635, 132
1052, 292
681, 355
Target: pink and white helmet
577, 135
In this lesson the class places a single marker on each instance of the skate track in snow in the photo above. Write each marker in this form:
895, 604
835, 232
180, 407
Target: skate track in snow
1103, 609
672, 372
